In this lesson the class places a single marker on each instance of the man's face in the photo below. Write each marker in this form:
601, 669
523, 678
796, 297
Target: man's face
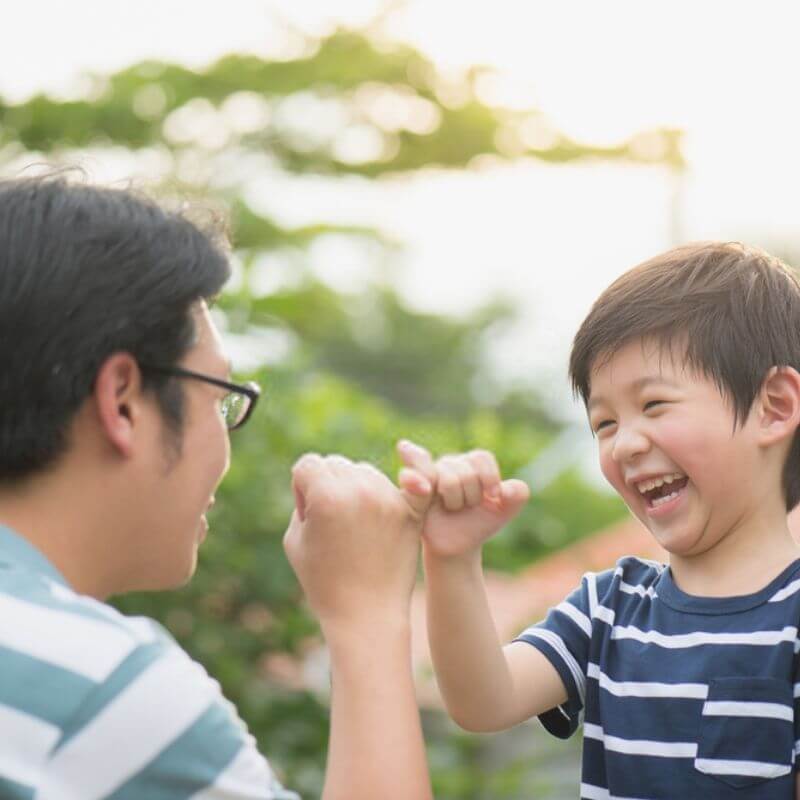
183, 481
667, 445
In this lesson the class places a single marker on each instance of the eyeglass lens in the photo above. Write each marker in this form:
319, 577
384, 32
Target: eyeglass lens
234, 408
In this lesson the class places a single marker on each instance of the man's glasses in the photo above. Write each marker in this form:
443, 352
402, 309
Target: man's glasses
237, 405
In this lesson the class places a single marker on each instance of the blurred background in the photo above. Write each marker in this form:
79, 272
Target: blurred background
424, 199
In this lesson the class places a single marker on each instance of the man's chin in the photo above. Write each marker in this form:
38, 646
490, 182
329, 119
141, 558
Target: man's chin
163, 581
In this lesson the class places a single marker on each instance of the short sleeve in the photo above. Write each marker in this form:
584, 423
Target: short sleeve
563, 637
158, 727
796, 694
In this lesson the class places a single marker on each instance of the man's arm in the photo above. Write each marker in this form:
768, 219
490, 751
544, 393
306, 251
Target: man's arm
376, 746
354, 543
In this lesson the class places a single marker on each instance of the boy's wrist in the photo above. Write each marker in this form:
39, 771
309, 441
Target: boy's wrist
469, 561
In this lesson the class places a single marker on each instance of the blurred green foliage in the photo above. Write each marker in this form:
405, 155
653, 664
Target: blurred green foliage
131, 107
357, 372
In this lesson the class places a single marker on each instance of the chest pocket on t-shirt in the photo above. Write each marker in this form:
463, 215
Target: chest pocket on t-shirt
746, 730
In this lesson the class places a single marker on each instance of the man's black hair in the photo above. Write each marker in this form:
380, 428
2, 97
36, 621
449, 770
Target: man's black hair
86, 272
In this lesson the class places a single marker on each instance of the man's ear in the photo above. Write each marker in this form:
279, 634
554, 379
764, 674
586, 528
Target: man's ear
117, 395
779, 401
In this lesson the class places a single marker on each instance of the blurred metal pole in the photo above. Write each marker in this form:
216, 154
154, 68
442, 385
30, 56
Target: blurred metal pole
677, 206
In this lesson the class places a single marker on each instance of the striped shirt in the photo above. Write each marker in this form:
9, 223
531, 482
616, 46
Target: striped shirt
94, 704
679, 696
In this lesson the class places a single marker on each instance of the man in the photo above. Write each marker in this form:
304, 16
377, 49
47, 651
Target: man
116, 409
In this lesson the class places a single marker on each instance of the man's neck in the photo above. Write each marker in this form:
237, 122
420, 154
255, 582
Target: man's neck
52, 518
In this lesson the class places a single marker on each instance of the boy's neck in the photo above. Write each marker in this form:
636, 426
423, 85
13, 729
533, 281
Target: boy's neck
743, 562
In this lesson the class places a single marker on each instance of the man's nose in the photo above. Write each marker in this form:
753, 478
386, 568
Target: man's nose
628, 444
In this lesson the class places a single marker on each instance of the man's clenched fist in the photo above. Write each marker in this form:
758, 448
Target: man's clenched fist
354, 540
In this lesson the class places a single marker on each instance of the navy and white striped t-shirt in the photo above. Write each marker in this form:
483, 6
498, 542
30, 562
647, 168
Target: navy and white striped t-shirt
94, 704
679, 696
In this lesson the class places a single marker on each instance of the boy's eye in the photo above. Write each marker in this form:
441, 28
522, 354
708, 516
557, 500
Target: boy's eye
652, 403
603, 424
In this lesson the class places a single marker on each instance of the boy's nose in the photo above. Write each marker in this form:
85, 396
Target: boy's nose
628, 444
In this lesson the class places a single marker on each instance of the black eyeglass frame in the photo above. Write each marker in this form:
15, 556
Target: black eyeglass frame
251, 390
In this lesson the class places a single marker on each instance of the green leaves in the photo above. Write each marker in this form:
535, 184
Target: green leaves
137, 108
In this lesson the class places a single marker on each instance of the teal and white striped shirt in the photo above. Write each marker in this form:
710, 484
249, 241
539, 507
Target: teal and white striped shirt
94, 704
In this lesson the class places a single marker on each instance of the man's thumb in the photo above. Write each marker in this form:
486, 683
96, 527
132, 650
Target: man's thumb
291, 539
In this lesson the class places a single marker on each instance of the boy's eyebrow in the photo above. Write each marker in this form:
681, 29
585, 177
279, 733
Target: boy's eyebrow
636, 386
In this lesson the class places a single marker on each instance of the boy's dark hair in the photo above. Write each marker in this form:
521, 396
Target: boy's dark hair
733, 310
86, 272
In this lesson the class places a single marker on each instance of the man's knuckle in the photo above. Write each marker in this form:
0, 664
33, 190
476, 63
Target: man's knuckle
339, 461
306, 460
364, 492
367, 469
327, 498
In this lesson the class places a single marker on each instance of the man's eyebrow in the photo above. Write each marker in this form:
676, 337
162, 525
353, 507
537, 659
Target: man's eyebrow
636, 386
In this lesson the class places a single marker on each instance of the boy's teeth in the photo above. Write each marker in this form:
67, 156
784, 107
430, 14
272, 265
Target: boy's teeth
661, 500
646, 486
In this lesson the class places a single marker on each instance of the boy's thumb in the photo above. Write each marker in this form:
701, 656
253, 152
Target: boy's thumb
514, 494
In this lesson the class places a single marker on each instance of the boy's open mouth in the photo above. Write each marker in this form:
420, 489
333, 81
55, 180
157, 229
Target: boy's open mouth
661, 490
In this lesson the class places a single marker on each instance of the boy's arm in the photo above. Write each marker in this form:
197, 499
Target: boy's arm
796, 682
485, 686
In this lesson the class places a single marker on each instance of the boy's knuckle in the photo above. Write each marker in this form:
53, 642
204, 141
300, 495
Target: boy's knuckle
464, 467
448, 481
483, 461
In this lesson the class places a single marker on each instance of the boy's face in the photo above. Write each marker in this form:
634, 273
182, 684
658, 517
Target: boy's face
667, 445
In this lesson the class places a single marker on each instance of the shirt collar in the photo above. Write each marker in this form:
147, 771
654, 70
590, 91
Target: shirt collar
16, 550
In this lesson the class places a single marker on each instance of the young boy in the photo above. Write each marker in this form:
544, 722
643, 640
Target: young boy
684, 676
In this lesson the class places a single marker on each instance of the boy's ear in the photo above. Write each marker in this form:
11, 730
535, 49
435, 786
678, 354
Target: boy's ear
117, 396
779, 401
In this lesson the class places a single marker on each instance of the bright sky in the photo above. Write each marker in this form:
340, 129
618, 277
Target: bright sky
552, 237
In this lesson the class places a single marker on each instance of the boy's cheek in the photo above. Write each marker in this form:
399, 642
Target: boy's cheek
612, 473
